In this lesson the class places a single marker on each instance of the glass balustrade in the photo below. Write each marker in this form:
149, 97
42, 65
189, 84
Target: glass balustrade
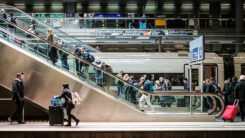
140, 23
100, 78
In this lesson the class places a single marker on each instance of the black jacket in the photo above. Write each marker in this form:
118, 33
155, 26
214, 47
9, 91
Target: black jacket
77, 53
227, 89
18, 90
240, 90
68, 98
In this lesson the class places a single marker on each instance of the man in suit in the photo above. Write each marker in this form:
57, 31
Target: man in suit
18, 98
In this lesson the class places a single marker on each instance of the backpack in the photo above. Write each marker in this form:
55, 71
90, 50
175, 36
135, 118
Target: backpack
12, 20
91, 58
86, 56
134, 90
148, 86
76, 99
215, 88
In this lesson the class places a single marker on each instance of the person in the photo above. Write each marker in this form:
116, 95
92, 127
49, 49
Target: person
11, 19
97, 48
126, 87
64, 56
18, 98
217, 90
240, 95
98, 73
226, 91
77, 52
157, 87
52, 50
148, 86
85, 66
231, 97
119, 83
32, 29
142, 24
187, 85
165, 84
130, 22
108, 80
4, 16
68, 105
208, 89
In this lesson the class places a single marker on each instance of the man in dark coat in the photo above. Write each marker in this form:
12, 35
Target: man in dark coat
77, 53
240, 95
68, 105
231, 97
18, 98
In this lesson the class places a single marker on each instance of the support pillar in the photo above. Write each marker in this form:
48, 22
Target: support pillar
214, 12
239, 24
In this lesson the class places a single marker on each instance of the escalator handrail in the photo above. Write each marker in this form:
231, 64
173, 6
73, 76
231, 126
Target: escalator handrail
49, 26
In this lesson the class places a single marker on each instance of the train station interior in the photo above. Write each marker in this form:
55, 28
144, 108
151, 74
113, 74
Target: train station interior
122, 68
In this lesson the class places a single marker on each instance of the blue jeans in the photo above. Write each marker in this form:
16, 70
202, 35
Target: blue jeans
209, 102
127, 93
65, 64
119, 90
142, 25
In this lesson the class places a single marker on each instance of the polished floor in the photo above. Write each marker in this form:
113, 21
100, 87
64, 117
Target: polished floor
126, 126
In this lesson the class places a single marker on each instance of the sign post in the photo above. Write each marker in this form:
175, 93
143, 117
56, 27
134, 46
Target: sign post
196, 57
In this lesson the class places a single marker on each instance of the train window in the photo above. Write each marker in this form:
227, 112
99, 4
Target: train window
210, 71
175, 78
195, 77
243, 69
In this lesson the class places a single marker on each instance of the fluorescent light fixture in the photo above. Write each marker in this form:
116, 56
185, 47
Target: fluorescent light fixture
19, 4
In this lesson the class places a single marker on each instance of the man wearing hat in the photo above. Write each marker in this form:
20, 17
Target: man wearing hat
18, 98
240, 95
68, 105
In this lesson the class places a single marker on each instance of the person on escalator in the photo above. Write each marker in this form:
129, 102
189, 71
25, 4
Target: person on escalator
11, 19
148, 86
18, 98
4, 16
68, 104
52, 50
98, 73
119, 83
64, 56
77, 53
85, 66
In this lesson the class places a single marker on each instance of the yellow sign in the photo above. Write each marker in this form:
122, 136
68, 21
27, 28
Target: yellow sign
160, 22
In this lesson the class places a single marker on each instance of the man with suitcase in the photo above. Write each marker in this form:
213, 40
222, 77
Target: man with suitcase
18, 98
68, 104
240, 95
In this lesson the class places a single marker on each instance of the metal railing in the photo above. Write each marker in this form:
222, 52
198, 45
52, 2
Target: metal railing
141, 23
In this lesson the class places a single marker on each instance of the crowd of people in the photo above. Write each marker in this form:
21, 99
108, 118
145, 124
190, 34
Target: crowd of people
234, 91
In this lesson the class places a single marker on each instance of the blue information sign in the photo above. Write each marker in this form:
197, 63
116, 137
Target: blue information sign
197, 49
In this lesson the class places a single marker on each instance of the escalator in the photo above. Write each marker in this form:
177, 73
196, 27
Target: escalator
20, 53
24, 20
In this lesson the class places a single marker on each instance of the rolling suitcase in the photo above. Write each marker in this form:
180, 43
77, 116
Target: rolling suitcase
230, 112
56, 115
